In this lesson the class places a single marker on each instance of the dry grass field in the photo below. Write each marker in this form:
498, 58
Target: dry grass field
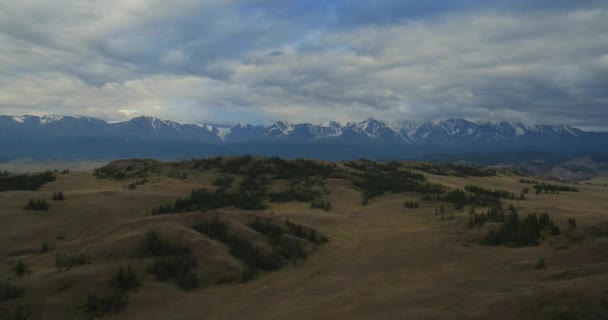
382, 260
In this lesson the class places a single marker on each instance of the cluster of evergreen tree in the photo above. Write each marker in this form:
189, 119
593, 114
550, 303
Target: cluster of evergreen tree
375, 184
178, 268
66, 261
519, 232
274, 166
97, 306
294, 193
137, 183
299, 169
203, 200
451, 169
239, 247
178, 174
320, 204
298, 230
132, 168
125, 279
224, 181
154, 245
528, 181
460, 198
174, 261
500, 194
287, 247
37, 205
553, 188
441, 212
373, 177
411, 204
29, 182
365, 165
58, 196
9, 291
496, 213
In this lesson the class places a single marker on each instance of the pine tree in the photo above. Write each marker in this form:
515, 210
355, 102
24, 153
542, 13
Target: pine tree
44, 248
125, 280
20, 269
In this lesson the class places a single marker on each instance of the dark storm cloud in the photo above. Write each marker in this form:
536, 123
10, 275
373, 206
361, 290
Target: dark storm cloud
226, 61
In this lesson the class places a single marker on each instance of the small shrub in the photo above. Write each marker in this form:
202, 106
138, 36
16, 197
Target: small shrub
571, 224
541, 264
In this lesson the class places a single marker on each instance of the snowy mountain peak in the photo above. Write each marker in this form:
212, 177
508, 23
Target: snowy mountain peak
280, 128
444, 131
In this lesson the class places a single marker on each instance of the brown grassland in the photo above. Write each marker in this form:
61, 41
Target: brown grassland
382, 260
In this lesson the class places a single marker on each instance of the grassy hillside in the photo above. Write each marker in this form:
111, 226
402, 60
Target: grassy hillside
275, 239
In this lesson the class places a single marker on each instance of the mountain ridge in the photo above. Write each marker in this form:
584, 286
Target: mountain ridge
368, 138
408, 132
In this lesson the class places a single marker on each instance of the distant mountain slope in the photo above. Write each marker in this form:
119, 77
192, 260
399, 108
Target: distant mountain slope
557, 166
389, 139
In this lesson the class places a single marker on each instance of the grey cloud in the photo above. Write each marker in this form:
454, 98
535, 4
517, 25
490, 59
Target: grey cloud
260, 60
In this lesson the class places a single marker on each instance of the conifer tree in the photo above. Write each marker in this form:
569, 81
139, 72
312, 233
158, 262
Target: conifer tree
20, 269
44, 248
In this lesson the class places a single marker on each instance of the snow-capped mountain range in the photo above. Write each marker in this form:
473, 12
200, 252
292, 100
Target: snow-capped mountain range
408, 132
387, 139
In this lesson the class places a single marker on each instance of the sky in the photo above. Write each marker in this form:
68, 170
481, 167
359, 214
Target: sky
256, 61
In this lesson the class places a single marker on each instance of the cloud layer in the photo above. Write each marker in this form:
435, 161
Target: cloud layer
259, 61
